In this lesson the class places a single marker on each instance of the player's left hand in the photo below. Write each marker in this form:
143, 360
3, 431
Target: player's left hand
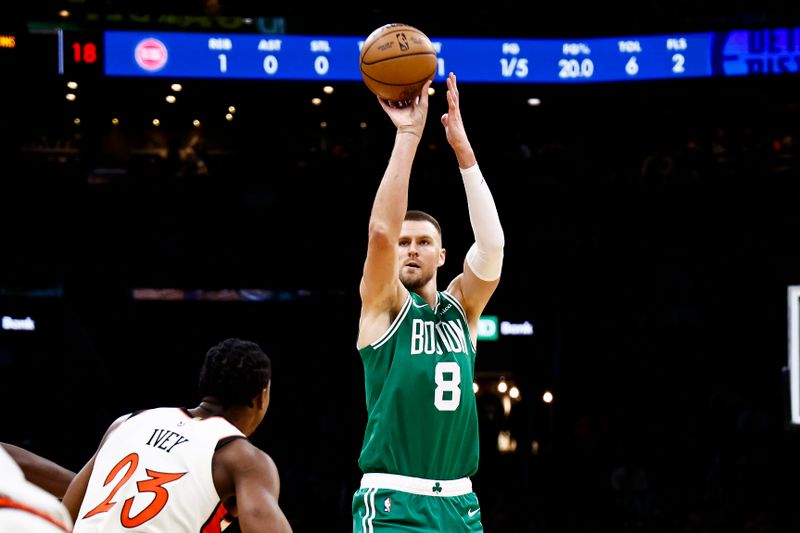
452, 122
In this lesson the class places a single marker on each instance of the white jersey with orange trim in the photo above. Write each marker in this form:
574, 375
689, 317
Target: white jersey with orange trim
26, 507
153, 474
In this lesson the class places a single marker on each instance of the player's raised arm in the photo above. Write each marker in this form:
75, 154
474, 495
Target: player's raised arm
380, 287
484, 259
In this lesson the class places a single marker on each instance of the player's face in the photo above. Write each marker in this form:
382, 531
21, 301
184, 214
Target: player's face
420, 253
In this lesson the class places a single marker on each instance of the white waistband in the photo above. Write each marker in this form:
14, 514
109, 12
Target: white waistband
417, 485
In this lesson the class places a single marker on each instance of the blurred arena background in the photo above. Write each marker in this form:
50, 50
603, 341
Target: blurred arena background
651, 236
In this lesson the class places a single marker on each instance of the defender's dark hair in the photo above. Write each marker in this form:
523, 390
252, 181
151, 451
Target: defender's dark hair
234, 372
414, 214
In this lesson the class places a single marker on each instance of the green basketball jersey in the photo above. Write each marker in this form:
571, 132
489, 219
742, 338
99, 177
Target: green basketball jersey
422, 419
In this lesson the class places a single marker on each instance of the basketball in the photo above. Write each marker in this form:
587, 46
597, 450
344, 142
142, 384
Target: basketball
396, 60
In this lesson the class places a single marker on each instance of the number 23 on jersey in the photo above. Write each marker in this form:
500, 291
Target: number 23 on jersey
153, 484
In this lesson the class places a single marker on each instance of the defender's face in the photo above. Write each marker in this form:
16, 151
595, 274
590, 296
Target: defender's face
419, 253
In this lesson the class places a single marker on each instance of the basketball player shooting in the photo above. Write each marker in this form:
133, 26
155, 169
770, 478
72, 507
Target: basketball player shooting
417, 344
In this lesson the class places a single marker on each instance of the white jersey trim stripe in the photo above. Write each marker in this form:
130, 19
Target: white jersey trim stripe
416, 485
395, 325
452, 299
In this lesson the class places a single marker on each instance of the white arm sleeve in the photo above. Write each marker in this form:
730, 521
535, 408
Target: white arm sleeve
485, 257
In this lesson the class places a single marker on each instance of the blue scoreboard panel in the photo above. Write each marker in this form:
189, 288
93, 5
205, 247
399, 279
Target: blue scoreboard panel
335, 58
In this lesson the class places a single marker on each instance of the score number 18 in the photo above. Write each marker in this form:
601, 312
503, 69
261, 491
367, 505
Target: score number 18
84, 52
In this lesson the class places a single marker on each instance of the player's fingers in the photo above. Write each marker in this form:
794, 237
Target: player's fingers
451, 83
452, 100
423, 95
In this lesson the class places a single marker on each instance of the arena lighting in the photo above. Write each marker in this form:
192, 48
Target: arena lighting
218, 295
8, 41
327, 89
547, 397
506, 405
502, 386
505, 444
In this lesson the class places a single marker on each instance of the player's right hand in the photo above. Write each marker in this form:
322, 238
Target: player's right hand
411, 116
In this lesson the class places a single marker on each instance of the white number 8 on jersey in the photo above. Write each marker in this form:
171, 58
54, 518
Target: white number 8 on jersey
451, 385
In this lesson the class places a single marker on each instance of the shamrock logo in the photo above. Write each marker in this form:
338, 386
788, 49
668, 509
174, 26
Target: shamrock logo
437, 488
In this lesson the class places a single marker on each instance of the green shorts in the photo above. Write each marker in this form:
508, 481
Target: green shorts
388, 502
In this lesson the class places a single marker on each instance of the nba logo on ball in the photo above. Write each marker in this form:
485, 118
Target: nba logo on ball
401, 38
396, 61
151, 54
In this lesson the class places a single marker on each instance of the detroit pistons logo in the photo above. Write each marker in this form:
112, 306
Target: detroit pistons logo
151, 54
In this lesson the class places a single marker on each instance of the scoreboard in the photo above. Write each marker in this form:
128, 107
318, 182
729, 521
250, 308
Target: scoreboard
484, 60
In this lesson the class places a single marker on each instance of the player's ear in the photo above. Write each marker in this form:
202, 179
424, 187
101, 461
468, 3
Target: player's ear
262, 398
442, 255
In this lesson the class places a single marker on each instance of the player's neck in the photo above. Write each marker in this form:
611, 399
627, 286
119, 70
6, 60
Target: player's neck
428, 293
209, 407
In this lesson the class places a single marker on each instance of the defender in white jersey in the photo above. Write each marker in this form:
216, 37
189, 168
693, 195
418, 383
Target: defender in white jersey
24, 506
187, 470
40, 471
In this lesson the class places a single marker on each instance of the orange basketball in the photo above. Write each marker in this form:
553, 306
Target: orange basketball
396, 61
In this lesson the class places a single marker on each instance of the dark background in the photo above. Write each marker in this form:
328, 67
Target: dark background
651, 234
